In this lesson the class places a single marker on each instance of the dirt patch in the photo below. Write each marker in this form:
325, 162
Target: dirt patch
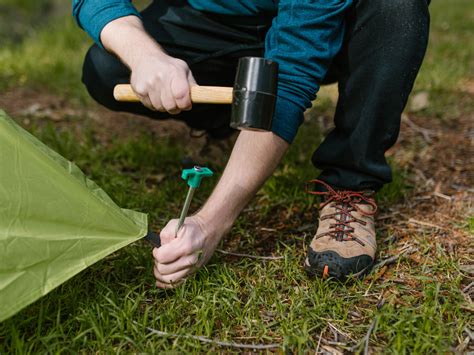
439, 153
468, 86
440, 162
30, 107
26, 105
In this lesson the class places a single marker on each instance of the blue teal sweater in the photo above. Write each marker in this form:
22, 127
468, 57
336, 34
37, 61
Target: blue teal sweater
304, 37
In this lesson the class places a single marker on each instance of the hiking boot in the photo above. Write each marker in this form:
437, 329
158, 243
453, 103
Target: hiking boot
344, 243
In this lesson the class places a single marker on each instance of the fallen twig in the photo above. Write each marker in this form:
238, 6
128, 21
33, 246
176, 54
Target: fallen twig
367, 336
338, 331
365, 339
439, 194
425, 224
331, 350
265, 229
319, 341
426, 133
250, 256
469, 333
468, 287
213, 341
391, 260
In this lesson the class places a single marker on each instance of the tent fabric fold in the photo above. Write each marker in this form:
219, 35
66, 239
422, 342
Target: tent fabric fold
54, 221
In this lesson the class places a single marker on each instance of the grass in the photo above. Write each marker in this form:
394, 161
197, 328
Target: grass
470, 224
449, 58
52, 52
107, 308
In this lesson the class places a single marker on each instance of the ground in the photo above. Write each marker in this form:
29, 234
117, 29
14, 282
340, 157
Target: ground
254, 291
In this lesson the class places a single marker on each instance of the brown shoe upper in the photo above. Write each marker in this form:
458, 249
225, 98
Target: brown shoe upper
346, 223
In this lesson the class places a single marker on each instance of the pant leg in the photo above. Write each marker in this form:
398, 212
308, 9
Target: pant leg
210, 44
385, 43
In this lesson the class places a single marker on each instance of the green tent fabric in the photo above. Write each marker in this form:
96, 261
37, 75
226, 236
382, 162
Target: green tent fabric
54, 222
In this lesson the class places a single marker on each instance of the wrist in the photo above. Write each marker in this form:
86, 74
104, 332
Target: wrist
215, 223
133, 45
144, 54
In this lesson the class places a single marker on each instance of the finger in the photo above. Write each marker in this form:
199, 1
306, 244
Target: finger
170, 281
164, 284
171, 278
168, 101
168, 233
191, 83
180, 91
171, 253
175, 249
168, 286
161, 257
185, 262
155, 98
145, 100
142, 93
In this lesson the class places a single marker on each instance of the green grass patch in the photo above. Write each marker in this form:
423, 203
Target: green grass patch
50, 58
470, 224
449, 59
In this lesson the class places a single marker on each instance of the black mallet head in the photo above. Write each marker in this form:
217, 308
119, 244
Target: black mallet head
254, 94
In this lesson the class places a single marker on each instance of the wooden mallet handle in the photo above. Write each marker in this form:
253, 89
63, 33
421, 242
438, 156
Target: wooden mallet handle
199, 94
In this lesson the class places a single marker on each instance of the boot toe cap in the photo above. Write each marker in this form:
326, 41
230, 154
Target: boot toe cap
330, 264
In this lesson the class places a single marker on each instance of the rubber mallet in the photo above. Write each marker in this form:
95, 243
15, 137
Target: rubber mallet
253, 96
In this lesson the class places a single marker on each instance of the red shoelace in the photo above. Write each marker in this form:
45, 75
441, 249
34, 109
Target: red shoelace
345, 202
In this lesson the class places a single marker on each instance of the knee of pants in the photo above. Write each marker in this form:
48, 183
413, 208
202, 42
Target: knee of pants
101, 71
406, 15
403, 25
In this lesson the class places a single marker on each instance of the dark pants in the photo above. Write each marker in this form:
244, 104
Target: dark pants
385, 42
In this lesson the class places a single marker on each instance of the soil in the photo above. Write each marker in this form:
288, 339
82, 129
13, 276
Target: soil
27, 105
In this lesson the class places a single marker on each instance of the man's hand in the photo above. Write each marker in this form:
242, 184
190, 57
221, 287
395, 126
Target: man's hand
179, 257
163, 83
254, 158
160, 81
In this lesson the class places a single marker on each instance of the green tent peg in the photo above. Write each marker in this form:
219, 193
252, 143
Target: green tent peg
194, 175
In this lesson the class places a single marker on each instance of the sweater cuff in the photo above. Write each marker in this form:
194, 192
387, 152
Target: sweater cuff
286, 119
107, 13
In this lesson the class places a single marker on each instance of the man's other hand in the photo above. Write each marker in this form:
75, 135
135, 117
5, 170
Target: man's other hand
163, 83
160, 81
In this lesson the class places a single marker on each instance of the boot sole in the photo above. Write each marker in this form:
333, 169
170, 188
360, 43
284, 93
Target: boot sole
329, 264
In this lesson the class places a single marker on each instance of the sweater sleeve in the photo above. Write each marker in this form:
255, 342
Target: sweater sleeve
93, 15
304, 37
